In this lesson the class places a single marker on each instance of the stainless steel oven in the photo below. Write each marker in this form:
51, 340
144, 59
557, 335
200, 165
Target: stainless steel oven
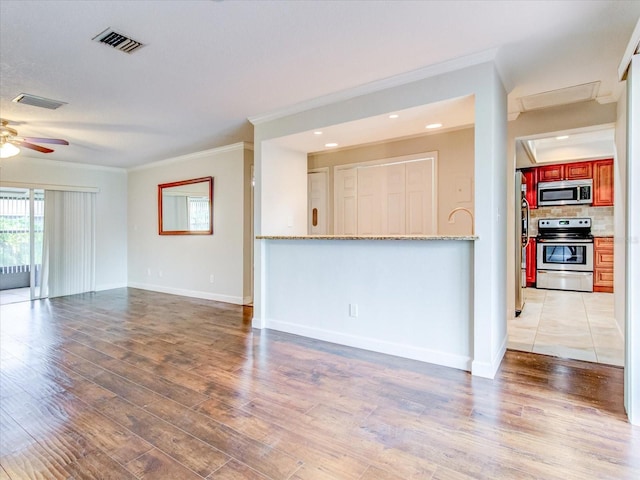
564, 254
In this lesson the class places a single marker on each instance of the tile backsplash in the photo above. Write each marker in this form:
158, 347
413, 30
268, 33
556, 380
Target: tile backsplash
601, 217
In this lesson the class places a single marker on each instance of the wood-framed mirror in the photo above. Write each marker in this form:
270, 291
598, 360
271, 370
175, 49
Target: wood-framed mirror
186, 207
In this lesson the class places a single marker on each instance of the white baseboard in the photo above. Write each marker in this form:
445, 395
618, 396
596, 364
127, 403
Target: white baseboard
373, 344
189, 293
110, 286
486, 370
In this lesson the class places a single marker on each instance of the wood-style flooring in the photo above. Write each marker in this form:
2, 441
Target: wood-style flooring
128, 384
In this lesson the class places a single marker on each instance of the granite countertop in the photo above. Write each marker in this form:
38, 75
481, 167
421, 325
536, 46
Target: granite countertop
367, 237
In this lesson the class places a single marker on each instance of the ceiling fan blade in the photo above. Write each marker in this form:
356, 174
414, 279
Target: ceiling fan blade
58, 141
38, 148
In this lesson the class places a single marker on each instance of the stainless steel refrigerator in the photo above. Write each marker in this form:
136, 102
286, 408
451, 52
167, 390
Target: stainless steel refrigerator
522, 240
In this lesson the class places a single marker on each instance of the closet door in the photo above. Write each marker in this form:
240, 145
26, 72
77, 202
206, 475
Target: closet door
346, 202
371, 200
395, 192
421, 215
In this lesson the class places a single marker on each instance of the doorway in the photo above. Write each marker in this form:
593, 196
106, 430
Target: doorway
21, 242
567, 323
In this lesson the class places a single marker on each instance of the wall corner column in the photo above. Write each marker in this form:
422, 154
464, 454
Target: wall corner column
489, 259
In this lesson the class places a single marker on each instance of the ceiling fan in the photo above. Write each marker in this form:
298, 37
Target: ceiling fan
9, 141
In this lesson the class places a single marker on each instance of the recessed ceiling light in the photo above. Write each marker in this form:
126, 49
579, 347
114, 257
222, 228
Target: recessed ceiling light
394, 115
317, 132
330, 145
562, 137
433, 125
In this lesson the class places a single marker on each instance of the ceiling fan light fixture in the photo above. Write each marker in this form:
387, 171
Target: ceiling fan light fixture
8, 150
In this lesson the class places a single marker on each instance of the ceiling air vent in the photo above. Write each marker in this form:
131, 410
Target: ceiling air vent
36, 101
118, 41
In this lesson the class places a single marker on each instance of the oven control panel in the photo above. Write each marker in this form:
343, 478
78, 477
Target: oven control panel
563, 223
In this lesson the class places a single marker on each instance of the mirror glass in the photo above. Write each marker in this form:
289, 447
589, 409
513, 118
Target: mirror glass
186, 207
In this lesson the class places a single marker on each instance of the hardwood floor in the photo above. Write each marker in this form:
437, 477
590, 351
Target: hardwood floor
129, 384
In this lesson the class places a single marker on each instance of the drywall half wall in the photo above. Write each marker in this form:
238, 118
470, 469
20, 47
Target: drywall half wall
455, 169
111, 206
486, 264
214, 266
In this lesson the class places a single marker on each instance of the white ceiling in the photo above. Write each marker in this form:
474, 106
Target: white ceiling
584, 144
209, 65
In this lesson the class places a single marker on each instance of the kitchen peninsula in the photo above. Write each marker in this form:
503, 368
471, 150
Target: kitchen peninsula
409, 296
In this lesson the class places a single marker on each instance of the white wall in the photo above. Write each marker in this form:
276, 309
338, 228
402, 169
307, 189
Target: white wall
489, 262
183, 264
632, 360
111, 206
619, 214
284, 191
386, 280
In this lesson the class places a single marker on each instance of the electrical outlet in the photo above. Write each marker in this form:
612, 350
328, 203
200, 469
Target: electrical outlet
159, 273
148, 272
353, 310
211, 278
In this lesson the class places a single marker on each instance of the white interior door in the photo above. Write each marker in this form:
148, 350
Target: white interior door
318, 204
371, 200
395, 191
421, 201
346, 202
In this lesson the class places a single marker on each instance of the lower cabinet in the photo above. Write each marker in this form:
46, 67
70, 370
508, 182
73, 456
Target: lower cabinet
531, 263
603, 264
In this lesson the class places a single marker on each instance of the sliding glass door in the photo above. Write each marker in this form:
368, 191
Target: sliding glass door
21, 237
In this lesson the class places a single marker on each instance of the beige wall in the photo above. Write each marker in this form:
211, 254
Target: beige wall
183, 264
455, 167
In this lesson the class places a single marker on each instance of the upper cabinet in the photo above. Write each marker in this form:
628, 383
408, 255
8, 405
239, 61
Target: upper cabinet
551, 173
530, 177
603, 183
578, 171
600, 171
568, 171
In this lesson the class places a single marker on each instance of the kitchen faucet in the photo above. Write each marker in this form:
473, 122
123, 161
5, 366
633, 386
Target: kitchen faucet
456, 210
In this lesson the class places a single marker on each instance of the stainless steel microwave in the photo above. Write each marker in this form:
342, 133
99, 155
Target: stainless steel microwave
569, 192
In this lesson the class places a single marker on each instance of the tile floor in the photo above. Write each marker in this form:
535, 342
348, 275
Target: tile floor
573, 325
14, 295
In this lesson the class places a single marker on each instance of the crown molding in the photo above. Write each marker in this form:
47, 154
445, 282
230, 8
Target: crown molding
61, 163
378, 85
633, 48
193, 156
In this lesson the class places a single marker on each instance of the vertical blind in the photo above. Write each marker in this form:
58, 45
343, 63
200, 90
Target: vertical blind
69, 243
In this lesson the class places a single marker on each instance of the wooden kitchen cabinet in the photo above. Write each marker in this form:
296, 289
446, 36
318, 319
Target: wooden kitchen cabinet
567, 171
603, 183
530, 177
603, 264
551, 173
531, 263
578, 171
